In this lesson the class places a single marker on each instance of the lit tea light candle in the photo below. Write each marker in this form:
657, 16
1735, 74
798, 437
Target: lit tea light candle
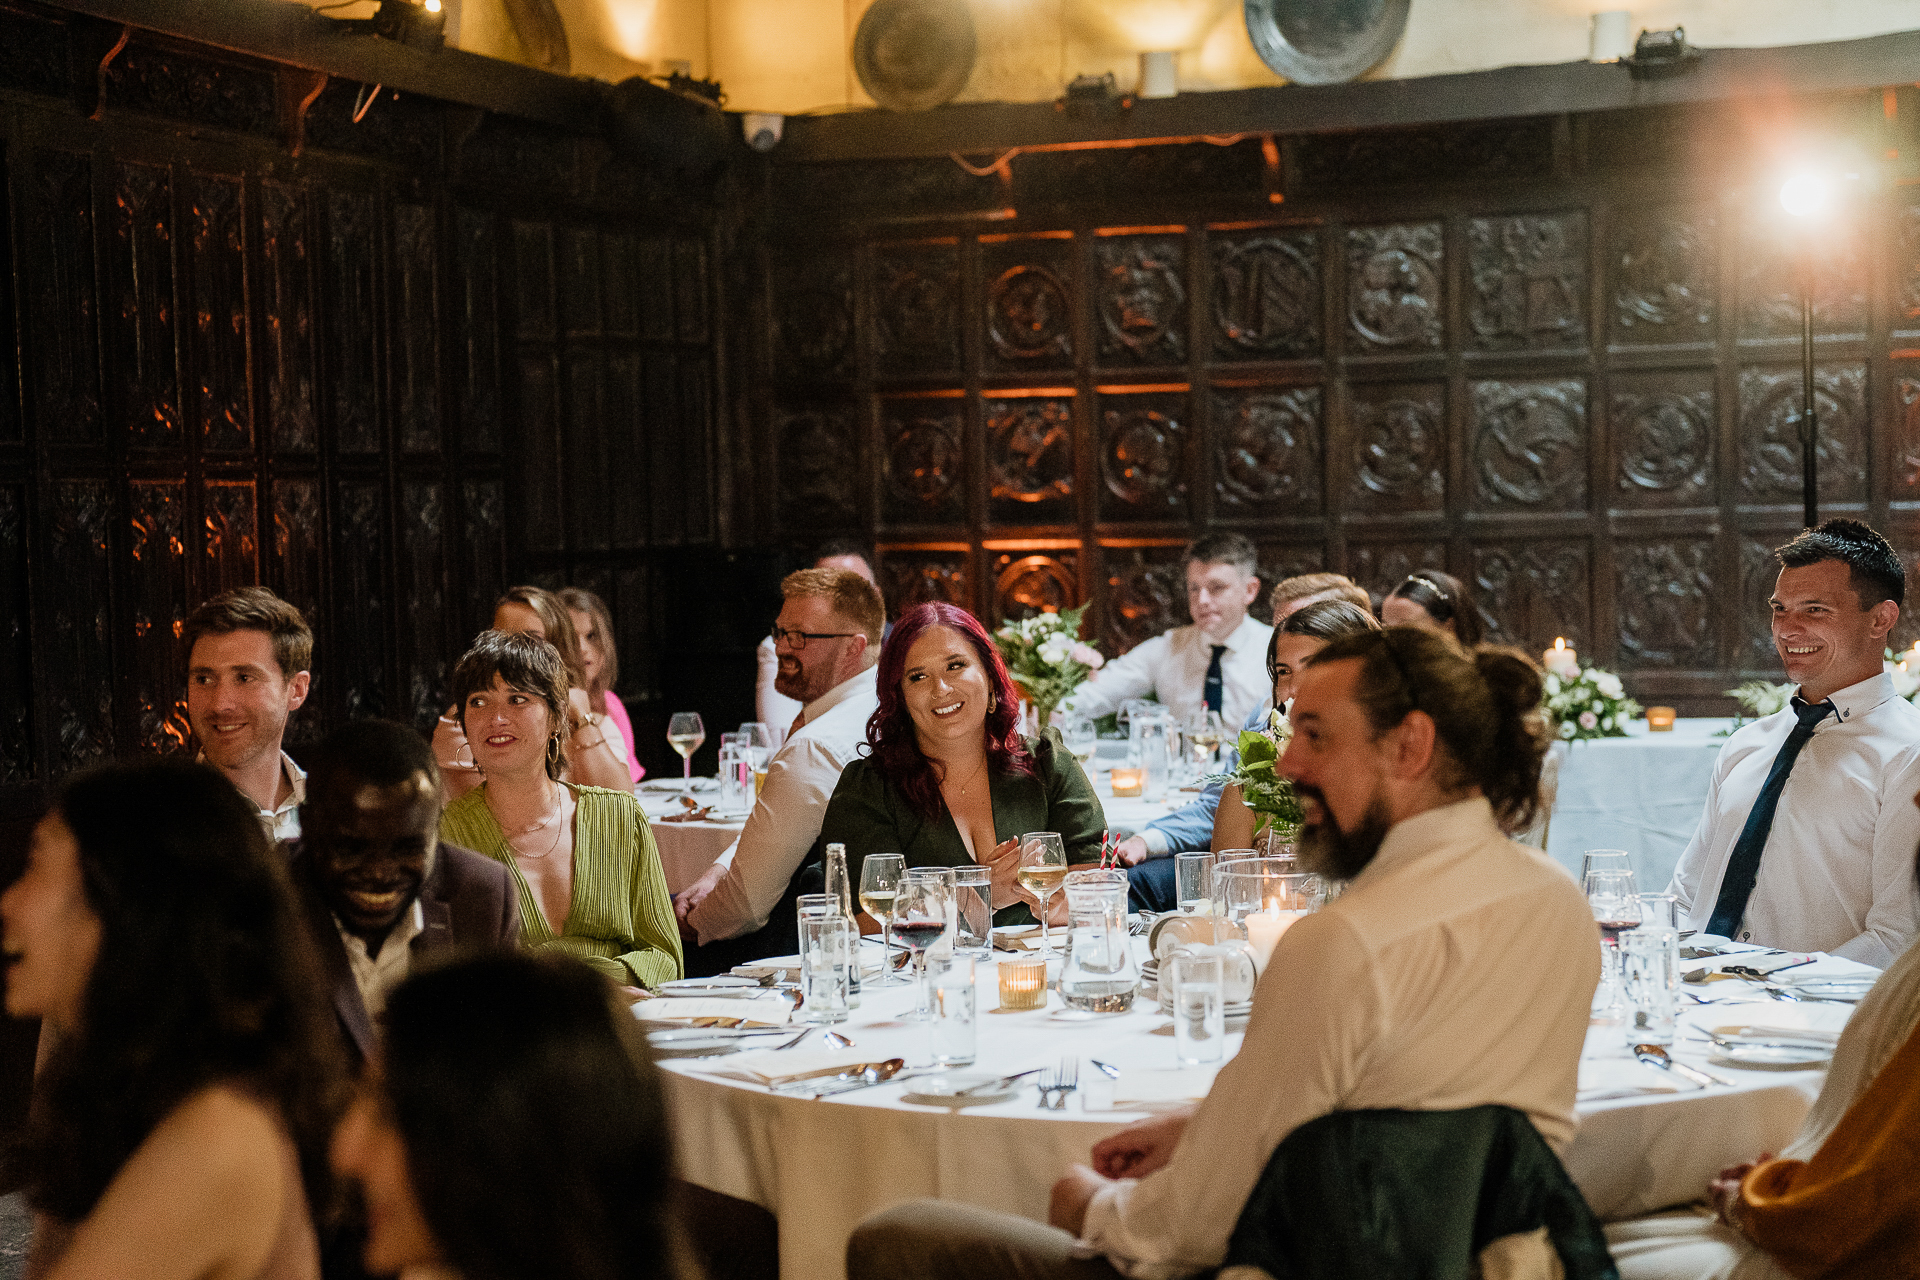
1023, 983
1560, 660
1660, 719
1263, 932
1129, 782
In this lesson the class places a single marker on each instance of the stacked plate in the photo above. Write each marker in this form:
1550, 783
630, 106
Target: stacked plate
1150, 980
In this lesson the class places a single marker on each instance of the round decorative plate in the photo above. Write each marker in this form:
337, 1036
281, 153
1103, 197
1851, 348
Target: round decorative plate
912, 55
1325, 41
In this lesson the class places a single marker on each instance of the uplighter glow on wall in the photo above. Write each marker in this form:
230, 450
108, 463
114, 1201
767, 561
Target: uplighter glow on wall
1148, 24
1805, 195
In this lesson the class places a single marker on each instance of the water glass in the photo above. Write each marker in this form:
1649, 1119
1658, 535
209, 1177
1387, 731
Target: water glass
954, 1001
1660, 910
759, 743
1650, 972
1217, 883
973, 912
1199, 1009
736, 778
826, 958
1192, 877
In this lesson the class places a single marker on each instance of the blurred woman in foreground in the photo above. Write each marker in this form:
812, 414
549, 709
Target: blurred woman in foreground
180, 1121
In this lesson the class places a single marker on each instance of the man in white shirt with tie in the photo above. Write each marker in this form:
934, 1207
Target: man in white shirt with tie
1217, 662
1810, 830
772, 707
828, 641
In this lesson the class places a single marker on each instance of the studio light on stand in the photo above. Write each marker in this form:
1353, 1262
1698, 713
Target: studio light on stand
1157, 75
1806, 196
420, 24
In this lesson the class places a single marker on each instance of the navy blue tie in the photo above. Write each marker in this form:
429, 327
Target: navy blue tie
1212, 691
1743, 868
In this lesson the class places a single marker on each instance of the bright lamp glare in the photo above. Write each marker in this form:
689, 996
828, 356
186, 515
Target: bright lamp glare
433, 6
1804, 194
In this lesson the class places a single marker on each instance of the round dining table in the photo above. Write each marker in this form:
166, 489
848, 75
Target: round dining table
1647, 1140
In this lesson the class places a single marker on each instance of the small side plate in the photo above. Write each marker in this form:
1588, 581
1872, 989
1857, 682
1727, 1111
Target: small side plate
1774, 1055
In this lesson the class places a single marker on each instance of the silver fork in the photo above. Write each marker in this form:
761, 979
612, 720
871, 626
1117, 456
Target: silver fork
1048, 1082
1067, 1081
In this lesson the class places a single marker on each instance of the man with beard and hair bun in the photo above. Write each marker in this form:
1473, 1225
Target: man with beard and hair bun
378, 888
1455, 971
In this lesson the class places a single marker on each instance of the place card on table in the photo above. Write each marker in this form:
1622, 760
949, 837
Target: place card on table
1142, 1088
706, 1011
780, 1066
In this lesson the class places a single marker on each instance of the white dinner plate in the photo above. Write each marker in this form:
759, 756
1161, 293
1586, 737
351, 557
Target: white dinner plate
943, 1090
1777, 1055
719, 981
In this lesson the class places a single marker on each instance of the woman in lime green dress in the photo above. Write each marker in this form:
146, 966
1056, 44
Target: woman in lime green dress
582, 857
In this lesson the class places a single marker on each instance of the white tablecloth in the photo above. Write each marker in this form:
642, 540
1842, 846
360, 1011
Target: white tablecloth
1643, 793
822, 1166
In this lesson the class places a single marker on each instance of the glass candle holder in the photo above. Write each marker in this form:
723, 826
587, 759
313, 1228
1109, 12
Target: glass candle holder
1129, 782
1023, 982
1660, 719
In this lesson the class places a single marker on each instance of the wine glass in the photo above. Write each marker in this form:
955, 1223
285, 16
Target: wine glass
1043, 868
1204, 732
759, 740
923, 910
685, 733
1604, 860
1082, 739
879, 891
1616, 907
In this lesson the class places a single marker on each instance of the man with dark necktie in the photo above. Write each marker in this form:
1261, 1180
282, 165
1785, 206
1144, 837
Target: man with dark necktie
1810, 830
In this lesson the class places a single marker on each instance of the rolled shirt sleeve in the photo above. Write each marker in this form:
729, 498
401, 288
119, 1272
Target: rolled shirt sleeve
777, 837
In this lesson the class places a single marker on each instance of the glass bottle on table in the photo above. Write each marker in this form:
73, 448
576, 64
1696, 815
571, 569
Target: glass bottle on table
923, 913
1616, 907
879, 893
1043, 868
685, 733
841, 888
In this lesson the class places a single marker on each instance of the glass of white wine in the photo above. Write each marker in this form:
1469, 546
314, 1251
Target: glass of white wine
1043, 868
879, 889
1204, 732
685, 733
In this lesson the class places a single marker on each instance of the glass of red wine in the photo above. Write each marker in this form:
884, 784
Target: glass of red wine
1616, 906
923, 911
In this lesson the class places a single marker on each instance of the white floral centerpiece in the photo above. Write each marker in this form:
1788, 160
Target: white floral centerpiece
1588, 703
1904, 667
1046, 657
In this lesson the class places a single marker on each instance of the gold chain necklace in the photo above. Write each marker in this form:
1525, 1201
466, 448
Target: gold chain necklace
552, 814
971, 778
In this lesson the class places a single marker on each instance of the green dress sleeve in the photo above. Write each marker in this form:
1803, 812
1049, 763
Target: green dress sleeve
1073, 807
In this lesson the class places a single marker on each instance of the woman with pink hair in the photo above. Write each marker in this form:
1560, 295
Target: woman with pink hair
947, 779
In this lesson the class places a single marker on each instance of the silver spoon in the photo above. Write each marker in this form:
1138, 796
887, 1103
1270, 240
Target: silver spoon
1657, 1056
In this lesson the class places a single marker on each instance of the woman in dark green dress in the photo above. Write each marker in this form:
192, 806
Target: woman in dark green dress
947, 779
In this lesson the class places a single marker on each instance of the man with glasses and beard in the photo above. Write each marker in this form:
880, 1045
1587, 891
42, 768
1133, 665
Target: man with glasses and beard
1454, 971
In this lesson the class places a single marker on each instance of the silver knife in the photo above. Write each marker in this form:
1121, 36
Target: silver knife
1701, 1078
994, 1086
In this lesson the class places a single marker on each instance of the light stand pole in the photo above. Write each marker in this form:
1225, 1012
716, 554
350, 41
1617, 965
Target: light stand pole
1804, 195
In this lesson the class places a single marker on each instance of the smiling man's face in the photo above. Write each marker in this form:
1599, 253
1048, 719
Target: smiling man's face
1825, 639
372, 846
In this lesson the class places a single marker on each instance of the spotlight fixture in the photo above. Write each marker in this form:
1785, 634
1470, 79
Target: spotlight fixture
1091, 97
1660, 54
421, 24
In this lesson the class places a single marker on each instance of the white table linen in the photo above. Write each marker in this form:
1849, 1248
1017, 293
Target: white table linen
1643, 793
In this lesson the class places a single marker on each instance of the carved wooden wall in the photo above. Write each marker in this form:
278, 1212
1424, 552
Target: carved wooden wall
1556, 357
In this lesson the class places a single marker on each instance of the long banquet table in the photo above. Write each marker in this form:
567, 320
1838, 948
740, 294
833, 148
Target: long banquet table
1643, 793
822, 1166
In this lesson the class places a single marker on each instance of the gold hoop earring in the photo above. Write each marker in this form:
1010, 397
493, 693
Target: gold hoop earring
993, 702
553, 752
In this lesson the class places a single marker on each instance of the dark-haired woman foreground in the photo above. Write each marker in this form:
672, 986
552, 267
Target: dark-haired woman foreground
509, 1132
180, 1121
949, 780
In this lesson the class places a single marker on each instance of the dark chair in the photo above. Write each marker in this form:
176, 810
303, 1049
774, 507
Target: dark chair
1411, 1195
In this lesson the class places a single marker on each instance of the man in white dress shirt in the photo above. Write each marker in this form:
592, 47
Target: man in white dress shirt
1810, 829
1218, 661
828, 640
1455, 971
247, 657
773, 708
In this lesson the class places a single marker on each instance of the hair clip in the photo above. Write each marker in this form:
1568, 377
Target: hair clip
1431, 585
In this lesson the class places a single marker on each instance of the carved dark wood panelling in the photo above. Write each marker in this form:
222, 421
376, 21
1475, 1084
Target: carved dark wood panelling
300, 536
1266, 294
1143, 456
1282, 560
399, 128
1528, 444
1266, 451
75, 654
910, 577
1394, 279
424, 623
624, 520
1907, 277
1422, 156
17, 763
483, 553
1770, 406
1663, 431
540, 424
216, 302
141, 328
33, 53
924, 469
1030, 582
691, 512
157, 541
58, 259
1398, 446
817, 487
1664, 276
1178, 171
690, 290
1770, 277
416, 328
1529, 281
660, 404
916, 309
576, 253
655, 290
287, 308
477, 329
621, 299
1030, 460
813, 316
1146, 594
230, 540
1758, 573
361, 658
587, 484
533, 260
1140, 299
1665, 593
352, 303
1530, 593
1906, 436
1028, 303
168, 82
1382, 566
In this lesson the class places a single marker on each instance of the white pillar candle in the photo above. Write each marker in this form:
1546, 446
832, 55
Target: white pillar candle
1561, 660
1263, 933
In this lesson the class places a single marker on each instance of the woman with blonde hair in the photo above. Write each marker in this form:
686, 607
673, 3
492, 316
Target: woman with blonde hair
600, 664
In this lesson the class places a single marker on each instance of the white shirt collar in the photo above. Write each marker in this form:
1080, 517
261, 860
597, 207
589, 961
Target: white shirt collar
1858, 699
833, 697
1249, 631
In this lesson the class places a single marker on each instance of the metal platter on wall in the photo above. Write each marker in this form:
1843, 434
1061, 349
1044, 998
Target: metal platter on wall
1325, 41
913, 55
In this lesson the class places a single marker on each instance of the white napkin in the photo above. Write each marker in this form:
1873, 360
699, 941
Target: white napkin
771, 1066
1157, 1087
767, 1011
1603, 1078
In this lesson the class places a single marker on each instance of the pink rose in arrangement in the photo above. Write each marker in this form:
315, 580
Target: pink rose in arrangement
1087, 655
1588, 720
